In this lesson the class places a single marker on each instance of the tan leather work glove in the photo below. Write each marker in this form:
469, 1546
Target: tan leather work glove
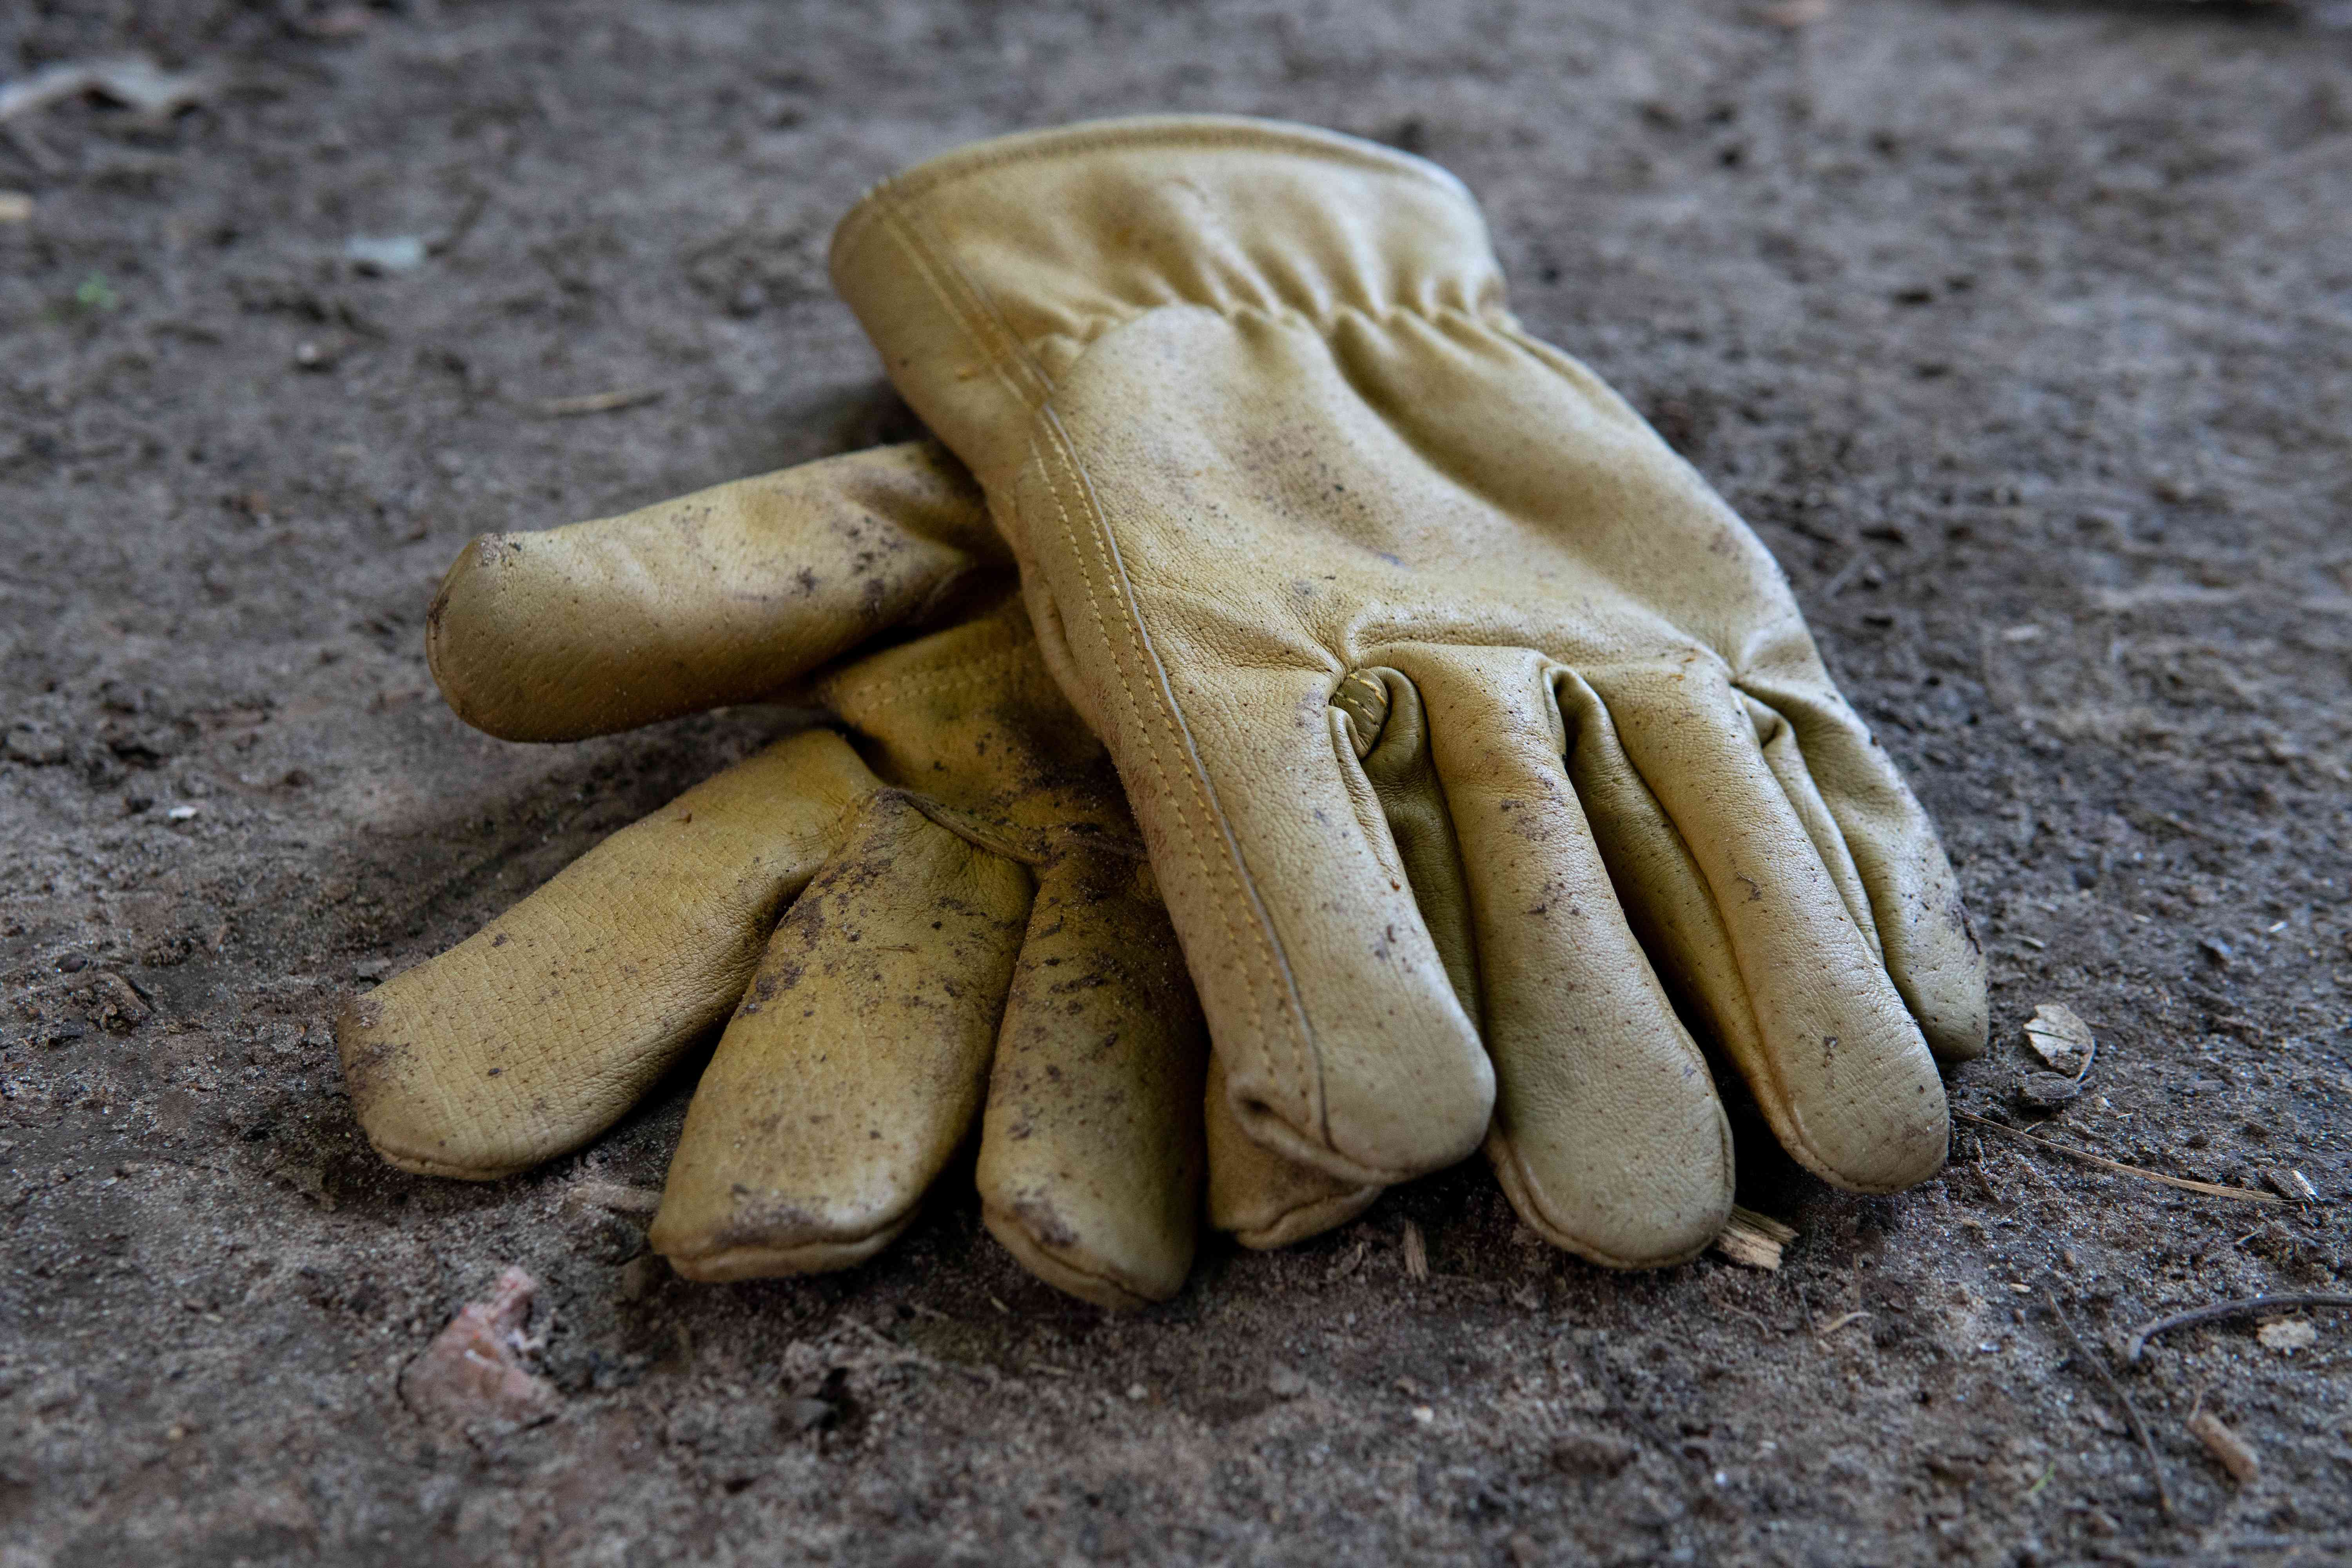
961, 856
1465, 725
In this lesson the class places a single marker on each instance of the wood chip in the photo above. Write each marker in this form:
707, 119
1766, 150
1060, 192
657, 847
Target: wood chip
2231, 1451
1416, 1252
1753, 1240
2060, 1038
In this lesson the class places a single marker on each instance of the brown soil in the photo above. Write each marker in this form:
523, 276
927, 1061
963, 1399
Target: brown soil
2024, 334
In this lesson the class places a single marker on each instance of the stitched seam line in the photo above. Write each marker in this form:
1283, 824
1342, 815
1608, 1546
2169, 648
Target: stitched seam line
965, 306
967, 309
1266, 967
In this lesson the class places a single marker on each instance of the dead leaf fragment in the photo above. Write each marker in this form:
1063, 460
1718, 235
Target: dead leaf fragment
1416, 1252
476, 1376
2290, 1184
2231, 1452
2061, 1038
1753, 1240
2288, 1335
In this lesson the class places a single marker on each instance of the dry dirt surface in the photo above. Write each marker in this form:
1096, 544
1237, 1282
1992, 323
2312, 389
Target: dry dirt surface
2022, 333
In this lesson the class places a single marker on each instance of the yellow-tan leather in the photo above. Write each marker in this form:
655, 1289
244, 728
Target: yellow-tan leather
969, 934
1250, 410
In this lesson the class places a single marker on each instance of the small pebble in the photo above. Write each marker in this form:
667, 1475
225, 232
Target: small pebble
2046, 1091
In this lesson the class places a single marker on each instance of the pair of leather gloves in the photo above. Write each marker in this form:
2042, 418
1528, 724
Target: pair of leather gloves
1292, 728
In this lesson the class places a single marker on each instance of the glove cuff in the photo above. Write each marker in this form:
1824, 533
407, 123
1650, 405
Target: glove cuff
984, 274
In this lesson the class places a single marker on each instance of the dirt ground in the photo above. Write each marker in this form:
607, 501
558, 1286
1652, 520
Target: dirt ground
2022, 333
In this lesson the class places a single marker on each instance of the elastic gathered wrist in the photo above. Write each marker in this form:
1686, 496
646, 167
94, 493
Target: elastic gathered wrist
983, 274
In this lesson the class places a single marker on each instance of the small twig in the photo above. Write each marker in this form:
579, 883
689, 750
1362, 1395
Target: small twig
1846, 573
1839, 1323
1993, 1189
477, 201
600, 402
29, 147
2210, 1189
2220, 1310
2131, 1411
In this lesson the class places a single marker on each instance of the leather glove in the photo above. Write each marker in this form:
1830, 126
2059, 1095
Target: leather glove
1471, 734
969, 932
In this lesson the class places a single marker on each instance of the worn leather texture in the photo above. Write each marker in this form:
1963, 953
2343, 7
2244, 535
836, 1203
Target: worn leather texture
1250, 410
929, 920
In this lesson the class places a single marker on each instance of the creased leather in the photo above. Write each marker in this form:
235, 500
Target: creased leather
964, 933
1253, 418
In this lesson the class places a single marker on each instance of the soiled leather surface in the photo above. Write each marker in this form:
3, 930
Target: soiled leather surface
1251, 412
964, 929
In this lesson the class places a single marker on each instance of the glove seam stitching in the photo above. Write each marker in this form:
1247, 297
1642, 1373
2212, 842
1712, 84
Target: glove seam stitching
1266, 961
975, 317
937, 269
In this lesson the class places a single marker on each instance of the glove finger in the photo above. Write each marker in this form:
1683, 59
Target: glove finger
1831, 1055
1343, 1043
1930, 947
1607, 1136
721, 596
536, 1033
1378, 713
1263, 1199
1778, 744
856, 1064
1091, 1161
